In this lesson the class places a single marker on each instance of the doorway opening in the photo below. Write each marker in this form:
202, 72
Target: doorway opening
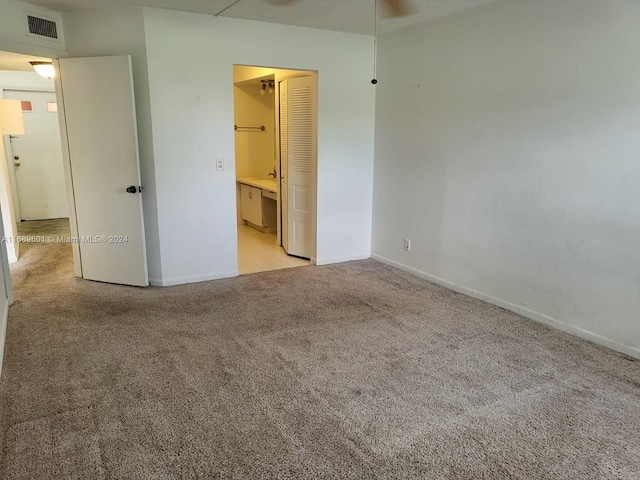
97, 140
276, 167
33, 191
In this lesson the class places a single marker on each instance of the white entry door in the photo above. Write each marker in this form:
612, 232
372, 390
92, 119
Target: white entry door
97, 103
298, 158
37, 158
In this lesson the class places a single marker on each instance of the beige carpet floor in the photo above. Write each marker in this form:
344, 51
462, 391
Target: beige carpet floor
355, 371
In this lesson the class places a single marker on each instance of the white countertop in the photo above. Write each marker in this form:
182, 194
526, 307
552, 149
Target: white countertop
268, 183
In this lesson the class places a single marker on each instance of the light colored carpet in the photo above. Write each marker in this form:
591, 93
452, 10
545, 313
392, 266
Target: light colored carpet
355, 371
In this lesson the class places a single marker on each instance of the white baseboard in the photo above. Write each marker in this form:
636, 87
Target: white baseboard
330, 260
525, 312
195, 279
3, 333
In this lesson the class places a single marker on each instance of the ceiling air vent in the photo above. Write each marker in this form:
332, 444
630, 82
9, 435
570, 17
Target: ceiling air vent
42, 27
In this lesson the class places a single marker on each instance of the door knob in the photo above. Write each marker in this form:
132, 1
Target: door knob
17, 164
132, 189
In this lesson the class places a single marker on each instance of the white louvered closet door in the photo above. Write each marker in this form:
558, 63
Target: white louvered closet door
284, 171
298, 150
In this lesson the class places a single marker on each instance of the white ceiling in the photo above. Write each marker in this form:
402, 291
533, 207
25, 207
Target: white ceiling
342, 15
18, 62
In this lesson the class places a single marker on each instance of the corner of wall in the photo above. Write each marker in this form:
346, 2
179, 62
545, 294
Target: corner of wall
520, 310
171, 282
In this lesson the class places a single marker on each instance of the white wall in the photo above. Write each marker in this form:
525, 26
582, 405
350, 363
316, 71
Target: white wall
24, 80
507, 150
190, 60
13, 37
255, 149
121, 32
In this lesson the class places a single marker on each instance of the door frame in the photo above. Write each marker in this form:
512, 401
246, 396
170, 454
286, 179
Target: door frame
9, 151
283, 73
66, 162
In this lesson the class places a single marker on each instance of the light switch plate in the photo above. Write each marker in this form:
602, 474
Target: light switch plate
219, 164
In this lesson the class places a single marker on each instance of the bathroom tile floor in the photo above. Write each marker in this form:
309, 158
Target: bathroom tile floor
258, 252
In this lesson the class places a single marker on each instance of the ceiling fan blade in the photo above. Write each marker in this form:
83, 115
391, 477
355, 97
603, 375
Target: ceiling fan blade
395, 8
280, 2
399, 8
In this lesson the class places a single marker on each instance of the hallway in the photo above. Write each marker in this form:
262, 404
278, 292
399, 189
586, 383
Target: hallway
47, 259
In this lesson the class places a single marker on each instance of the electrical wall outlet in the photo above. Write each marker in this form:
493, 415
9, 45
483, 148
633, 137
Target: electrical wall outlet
347, 238
407, 245
219, 164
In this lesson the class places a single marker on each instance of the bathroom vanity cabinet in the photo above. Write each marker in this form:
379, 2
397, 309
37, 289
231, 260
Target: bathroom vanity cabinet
258, 200
251, 204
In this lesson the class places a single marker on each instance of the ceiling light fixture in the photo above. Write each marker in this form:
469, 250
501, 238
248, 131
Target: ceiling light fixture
44, 69
267, 85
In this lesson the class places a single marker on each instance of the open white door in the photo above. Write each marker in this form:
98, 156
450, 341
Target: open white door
98, 116
298, 152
